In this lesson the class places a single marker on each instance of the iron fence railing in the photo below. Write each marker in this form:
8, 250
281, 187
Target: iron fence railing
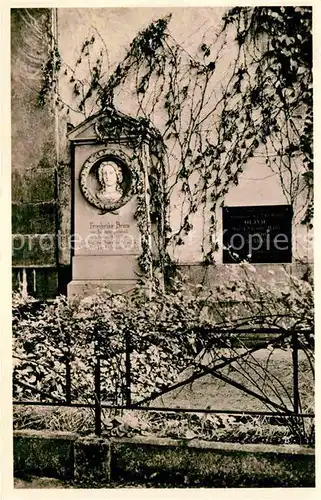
98, 406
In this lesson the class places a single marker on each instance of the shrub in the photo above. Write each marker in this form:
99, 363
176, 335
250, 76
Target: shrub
164, 333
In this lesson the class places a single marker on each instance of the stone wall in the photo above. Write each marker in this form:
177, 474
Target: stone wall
34, 158
160, 462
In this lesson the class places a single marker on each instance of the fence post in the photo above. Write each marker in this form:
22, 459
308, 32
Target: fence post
128, 369
68, 381
295, 362
68, 370
97, 398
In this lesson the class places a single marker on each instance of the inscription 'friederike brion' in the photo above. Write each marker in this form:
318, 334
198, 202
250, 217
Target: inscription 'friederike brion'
118, 226
112, 237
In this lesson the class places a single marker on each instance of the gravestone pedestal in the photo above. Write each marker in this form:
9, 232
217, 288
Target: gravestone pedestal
105, 240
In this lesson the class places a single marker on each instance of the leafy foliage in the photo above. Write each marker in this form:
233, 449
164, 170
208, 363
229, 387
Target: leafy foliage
205, 130
274, 81
162, 424
208, 128
172, 340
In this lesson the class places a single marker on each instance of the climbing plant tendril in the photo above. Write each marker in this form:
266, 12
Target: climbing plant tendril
205, 126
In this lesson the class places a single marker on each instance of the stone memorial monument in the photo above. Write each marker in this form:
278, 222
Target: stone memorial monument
110, 169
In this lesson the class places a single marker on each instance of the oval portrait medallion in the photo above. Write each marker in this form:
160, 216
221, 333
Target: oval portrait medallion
106, 180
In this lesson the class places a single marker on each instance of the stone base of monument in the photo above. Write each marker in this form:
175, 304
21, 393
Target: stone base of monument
119, 273
105, 267
90, 287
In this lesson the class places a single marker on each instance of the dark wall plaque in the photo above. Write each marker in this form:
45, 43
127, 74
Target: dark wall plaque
258, 234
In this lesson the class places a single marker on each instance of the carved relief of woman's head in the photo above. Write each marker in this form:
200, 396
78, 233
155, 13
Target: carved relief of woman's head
106, 180
110, 175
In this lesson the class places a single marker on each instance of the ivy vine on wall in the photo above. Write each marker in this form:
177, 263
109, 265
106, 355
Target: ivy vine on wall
205, 128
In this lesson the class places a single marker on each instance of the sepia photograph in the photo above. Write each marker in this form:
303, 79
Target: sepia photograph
162, 247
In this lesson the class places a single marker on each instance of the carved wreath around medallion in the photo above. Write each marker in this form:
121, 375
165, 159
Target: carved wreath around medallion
109, 170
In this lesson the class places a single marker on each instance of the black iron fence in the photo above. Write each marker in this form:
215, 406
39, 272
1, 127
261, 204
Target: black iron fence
143, 404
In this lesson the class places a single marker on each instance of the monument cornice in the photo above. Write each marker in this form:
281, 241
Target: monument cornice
113, 127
